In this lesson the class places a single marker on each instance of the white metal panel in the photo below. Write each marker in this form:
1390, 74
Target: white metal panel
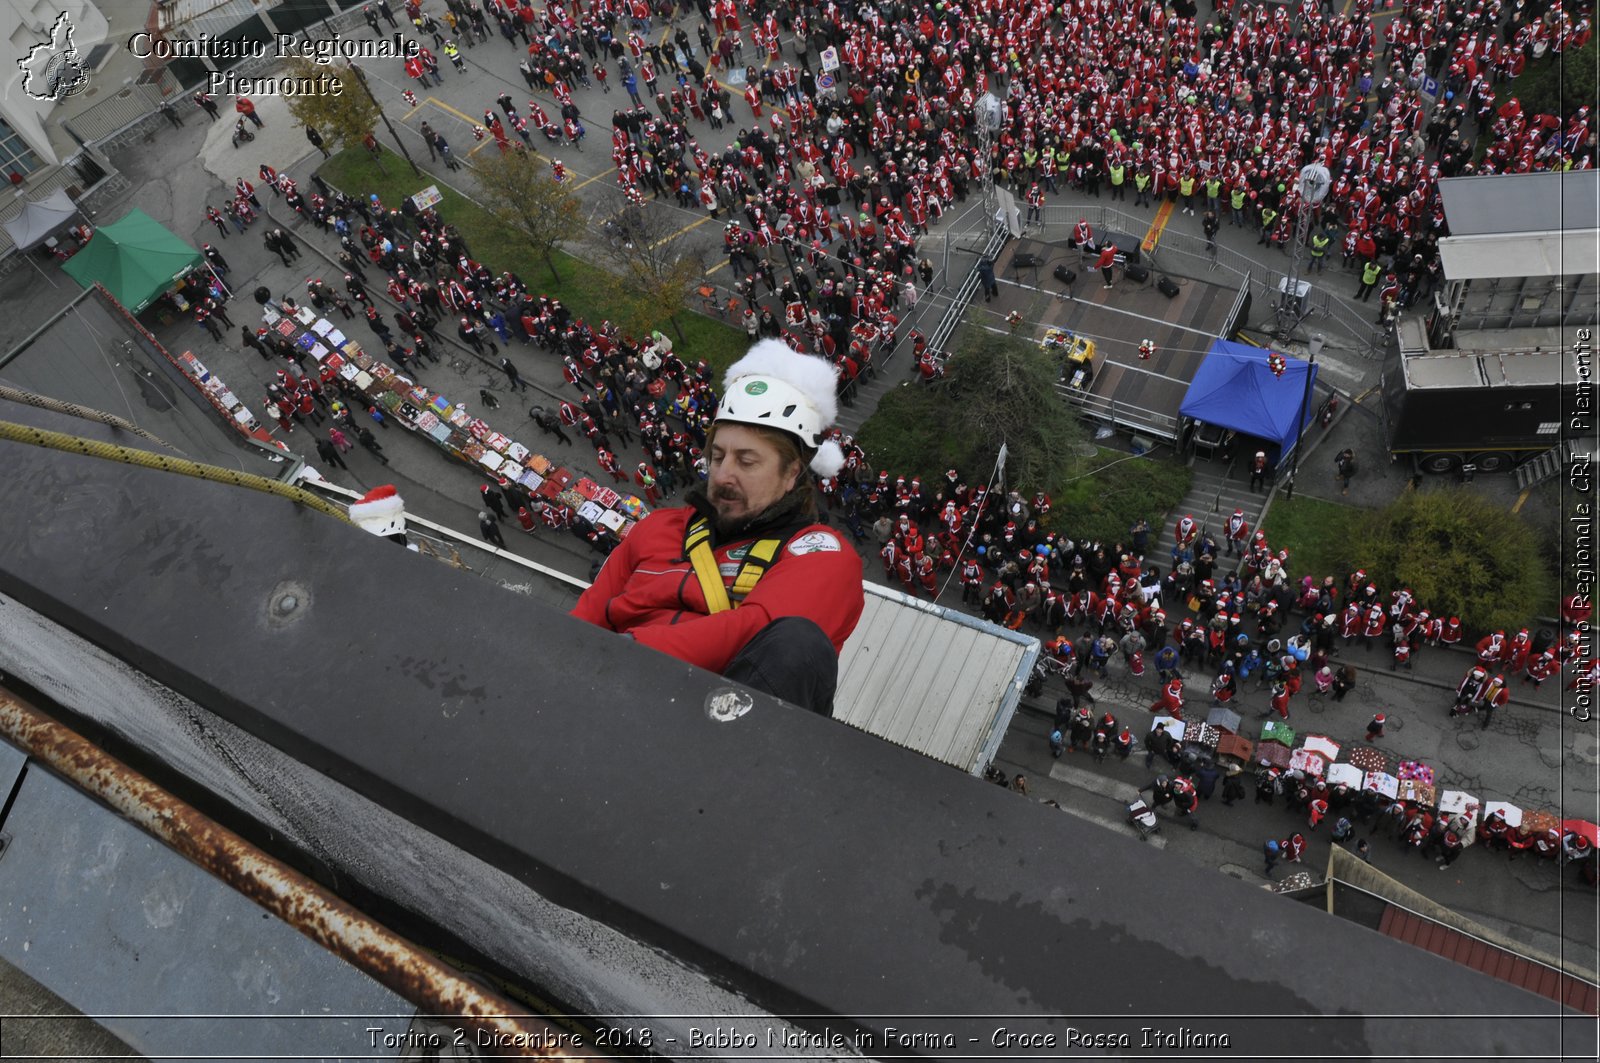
929, 679
1555, 253
1521, 203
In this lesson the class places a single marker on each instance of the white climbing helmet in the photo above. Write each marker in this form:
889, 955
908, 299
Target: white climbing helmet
774, 386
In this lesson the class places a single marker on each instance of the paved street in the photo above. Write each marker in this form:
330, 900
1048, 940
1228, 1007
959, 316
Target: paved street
1533, 754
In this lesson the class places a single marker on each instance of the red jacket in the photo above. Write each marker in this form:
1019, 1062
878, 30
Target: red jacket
647, 589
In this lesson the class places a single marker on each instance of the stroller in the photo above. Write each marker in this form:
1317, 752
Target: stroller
1143, 819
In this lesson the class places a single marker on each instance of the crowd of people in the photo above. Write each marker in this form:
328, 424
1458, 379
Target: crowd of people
843, 172
854, 125
854, 132
624, 389
854, 135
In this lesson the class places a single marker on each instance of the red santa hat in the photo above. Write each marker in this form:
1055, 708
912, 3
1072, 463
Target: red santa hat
380, 511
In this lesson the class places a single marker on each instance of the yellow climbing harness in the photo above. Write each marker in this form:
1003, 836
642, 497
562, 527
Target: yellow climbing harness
719, 598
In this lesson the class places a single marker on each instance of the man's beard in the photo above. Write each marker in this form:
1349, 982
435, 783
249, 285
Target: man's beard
727, 526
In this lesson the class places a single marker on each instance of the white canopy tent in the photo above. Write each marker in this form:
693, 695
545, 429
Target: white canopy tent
39, 219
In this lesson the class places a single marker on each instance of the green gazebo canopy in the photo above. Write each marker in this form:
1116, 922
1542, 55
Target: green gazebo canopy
136, 258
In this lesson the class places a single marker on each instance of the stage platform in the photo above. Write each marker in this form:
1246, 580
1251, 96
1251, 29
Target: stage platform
1125, 390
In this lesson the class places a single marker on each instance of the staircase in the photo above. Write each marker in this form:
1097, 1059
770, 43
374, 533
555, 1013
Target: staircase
1538, 470
1216, 492
899, 368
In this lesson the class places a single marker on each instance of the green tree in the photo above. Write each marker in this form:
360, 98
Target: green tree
653, 272
909, 433
345, 115
1462, 555
1561, 84
1096, 493
521, 194
1002, 389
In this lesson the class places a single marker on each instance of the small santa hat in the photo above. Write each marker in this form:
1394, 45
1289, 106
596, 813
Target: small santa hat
380, 511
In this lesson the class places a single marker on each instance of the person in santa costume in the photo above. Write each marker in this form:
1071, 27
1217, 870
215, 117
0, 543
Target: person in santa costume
1541, 667
1171, 700
1236, 533
382, 512
768, 594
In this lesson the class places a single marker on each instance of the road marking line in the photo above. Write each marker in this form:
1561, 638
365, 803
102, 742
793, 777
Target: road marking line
1159, 226
1084, 779
446, 107
668, 239
596, 177
1060, 772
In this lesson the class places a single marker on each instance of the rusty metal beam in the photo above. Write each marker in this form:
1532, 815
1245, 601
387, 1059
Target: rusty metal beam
389, 959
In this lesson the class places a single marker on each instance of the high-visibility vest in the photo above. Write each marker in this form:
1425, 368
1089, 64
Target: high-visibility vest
1237, 199
1141, 180
1118, 172
1370, 273
1319, 245
1186, 186
1213, 188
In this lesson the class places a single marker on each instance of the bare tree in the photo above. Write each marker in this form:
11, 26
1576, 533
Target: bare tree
518, 189
654, 270
345, 115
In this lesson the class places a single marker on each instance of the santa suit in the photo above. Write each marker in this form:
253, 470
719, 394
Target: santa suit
1376, 621
905, 569
608, 462
1588, 676
971, 579
1171, 700
1317, 809
1280, 702
1491, 648
1516, 655
1238, 531
646, 479
1450, 633
1351, 621
1541, 668
1402, 651
1471, 690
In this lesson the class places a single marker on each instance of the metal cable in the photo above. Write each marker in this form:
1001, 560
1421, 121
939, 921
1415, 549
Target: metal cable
85, 413
39, 437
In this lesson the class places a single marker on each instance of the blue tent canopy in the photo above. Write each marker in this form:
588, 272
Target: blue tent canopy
1235, 389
